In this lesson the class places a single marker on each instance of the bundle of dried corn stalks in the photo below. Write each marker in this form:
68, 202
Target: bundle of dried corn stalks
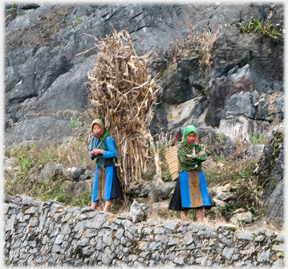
121, 92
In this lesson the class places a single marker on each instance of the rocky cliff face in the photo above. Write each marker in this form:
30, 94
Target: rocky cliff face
45, 74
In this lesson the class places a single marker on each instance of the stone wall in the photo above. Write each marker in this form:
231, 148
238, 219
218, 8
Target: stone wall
49, 234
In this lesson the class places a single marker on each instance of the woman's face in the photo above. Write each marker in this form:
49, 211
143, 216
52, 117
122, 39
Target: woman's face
191, 136
96, 129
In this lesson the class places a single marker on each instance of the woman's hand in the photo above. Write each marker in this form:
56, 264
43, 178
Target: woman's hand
98, 151
193, 156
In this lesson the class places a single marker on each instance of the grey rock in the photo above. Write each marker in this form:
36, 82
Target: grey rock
79, 226
56, 208
230, 227
59, 239
132, 258
188, 238
91, 233
80, 171
19, 217
276, 200
159, 230
242, 104
8, 164
278, 263
228, 252
84, 242
48, 171
219, 202
245, 216
224, 196
12, 209
173, 241
27, 200
280, 238
107, 239
245, 236
10, 223
264, 256
161, 238
33, 222
255, 151
138, 212
248, 68
171, 224
153, 246
87, 251
152, 222
65, 229
98, 220
81, 186
180, 260
279, 247
107, 257
56, 248
119, 233
100, 245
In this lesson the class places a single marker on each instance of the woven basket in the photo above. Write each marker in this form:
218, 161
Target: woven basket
172, 161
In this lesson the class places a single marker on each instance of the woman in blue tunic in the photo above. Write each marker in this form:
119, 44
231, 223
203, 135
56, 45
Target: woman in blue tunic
106, 184
190, 190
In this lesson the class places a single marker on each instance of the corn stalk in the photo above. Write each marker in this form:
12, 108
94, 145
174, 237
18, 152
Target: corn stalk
121, 92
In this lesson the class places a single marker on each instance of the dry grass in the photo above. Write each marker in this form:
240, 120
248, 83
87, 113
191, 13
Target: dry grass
121, 92
203, 42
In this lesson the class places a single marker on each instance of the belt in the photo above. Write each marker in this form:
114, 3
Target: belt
109, 162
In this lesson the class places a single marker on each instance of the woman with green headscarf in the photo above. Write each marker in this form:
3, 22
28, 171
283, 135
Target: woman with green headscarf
191, 189
106, 184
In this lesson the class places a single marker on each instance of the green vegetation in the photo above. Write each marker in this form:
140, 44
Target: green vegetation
258, 138
227, 209
74, 123
12, 11
30, 160
74, 25
266, 29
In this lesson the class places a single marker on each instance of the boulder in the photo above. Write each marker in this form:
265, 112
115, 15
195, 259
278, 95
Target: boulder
52, 171
138, 212
83, 172
9, 164
239, 217
224, 196
275, 210
48, 171
156, 190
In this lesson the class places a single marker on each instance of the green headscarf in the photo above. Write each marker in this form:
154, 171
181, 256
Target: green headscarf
188, 129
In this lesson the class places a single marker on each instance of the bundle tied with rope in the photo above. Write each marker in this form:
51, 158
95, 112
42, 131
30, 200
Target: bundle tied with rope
121, 92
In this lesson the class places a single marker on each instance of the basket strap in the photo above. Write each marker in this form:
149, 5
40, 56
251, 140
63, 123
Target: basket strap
175, 138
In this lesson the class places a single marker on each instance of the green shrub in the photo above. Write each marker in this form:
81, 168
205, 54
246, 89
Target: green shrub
265, 29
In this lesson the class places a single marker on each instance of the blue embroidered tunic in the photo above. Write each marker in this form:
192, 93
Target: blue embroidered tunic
104, 175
